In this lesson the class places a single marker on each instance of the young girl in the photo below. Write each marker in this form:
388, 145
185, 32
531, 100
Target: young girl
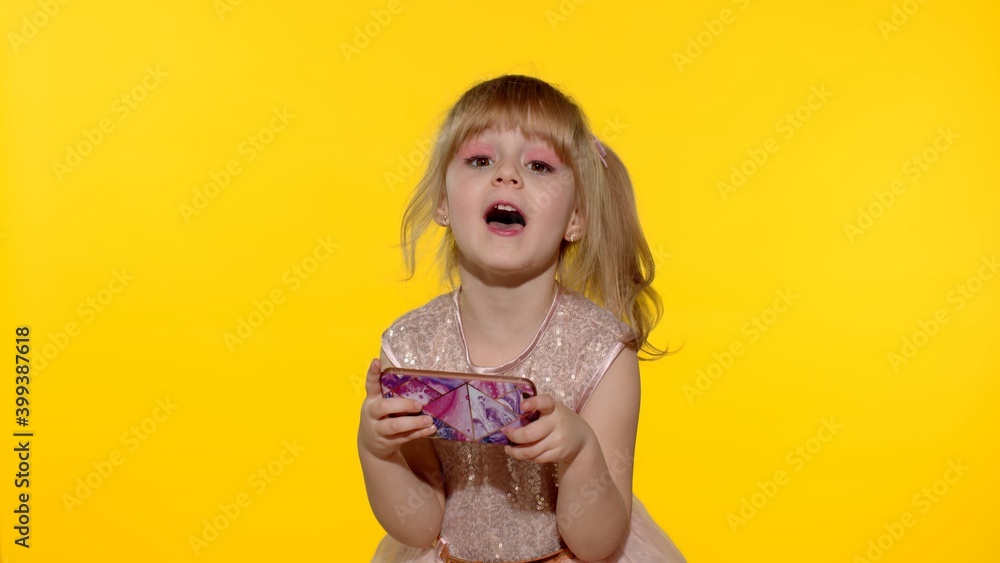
539, 224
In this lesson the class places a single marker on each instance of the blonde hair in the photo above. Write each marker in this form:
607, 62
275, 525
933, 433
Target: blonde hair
612, 264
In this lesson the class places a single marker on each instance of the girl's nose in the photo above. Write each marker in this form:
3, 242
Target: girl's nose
507, 174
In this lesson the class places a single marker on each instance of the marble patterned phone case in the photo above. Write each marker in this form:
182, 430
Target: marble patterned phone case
466, 407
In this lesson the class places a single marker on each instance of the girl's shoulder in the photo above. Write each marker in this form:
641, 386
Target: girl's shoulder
583, 314
436, 309
430, 326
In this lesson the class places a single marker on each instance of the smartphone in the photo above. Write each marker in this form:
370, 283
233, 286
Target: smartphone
466, 407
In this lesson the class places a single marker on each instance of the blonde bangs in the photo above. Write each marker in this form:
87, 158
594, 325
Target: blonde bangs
528, 105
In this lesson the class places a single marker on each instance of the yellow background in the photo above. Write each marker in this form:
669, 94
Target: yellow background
285, 400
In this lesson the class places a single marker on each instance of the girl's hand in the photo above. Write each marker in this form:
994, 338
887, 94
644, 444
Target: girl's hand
381, 433
559, 434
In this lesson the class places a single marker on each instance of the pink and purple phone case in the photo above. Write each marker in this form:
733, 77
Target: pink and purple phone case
465, 407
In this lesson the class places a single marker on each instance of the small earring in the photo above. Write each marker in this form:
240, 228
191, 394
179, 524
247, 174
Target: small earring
443, 220
572, 237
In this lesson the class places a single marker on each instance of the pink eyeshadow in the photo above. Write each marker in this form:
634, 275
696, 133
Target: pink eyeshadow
469, 150
544, 155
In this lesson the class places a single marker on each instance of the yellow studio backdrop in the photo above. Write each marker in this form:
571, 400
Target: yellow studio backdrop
201, 202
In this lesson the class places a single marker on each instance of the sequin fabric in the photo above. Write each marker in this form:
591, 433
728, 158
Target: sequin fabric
496, 508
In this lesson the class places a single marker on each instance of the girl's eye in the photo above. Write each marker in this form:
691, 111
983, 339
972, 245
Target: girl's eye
539, 166
478, 161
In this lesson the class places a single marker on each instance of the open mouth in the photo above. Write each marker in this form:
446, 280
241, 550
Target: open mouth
504, 217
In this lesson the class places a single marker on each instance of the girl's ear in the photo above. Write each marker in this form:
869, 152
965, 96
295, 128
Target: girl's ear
577, 225
441, 213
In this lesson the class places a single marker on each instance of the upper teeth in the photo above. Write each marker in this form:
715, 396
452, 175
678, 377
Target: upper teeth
505, 207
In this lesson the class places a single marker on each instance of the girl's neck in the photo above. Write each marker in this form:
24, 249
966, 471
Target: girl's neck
500, 321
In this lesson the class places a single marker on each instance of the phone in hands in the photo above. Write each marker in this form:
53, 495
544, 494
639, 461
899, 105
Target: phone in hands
466, 407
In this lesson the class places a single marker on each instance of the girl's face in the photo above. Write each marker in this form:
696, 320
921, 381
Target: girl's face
510, 202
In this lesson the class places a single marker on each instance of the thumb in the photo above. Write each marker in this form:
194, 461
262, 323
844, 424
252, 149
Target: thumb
373, 388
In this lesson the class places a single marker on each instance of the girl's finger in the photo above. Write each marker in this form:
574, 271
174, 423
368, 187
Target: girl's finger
397, 440
527, 452
403, 424
373, 388
544, 404
381, 408
530, 433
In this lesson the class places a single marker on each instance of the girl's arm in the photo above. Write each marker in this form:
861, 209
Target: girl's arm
595, 488
402, 472
595, 451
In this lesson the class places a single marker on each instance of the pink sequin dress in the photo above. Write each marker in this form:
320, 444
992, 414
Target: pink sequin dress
497, 508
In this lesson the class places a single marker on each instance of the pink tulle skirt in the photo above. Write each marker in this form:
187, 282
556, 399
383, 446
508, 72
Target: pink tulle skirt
646, 543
